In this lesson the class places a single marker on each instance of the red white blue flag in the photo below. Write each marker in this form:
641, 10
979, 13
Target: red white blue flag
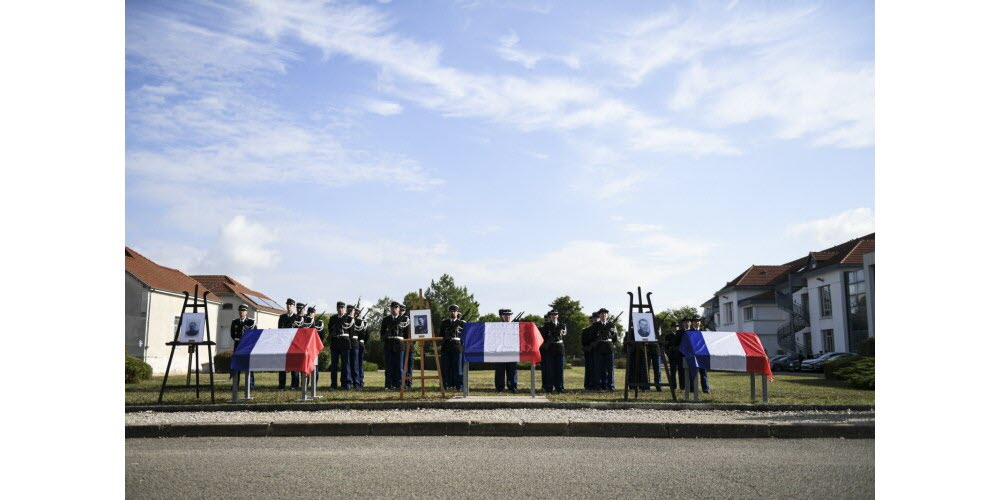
279, 350
501, 342
726, 351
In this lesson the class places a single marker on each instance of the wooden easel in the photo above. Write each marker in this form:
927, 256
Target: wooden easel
193, 348
631, 346
437, 361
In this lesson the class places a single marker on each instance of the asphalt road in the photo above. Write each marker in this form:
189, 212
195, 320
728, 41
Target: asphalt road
492, 467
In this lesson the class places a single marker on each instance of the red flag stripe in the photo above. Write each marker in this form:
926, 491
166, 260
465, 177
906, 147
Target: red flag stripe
757, 361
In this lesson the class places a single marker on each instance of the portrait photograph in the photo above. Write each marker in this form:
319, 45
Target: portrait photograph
421, 324
192, 327
643, 327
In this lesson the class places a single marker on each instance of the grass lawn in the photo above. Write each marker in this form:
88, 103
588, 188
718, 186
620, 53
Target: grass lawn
787, 388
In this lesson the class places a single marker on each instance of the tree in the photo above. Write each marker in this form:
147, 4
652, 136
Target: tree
571, 313
534, 318
489, 318
667, 316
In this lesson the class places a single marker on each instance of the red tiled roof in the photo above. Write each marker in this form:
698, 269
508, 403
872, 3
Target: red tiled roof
849, 252
760, 276
223, 284
160, 277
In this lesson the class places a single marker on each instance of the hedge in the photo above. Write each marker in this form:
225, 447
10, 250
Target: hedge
857, 371
223, 359
137, 370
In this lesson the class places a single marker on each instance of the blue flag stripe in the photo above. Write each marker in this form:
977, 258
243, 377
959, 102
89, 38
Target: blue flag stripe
241, 356
474, 342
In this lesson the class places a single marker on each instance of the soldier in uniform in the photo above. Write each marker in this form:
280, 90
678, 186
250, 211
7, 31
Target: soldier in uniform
451, 352
587, 343
394, 327
696, 326
341, 326
236, 329
288, 320
359, 337
671, 343
606, 338
553, 353
508, 371
352, 350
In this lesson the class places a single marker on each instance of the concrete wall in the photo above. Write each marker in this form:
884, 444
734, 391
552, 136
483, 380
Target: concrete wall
136, 297
163, 308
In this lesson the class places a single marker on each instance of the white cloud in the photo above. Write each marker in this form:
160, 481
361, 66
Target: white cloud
384, 108
641, 228
412, 70
509, 51
837, 228
245, 244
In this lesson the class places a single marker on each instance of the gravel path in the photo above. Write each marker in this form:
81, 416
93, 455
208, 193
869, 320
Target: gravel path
506, 415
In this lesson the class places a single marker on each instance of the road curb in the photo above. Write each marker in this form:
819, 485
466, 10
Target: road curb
507, 429
488, 405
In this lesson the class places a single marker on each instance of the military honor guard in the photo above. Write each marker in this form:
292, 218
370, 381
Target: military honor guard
395, 327
553, 353
702, 372
606, 338
288, 320
672, 347
359, 337
352, 358
505, 372
341, 326
587, 341
451, 350
238, 327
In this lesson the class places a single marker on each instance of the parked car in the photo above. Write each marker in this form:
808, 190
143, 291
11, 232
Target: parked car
815, 365
788, 363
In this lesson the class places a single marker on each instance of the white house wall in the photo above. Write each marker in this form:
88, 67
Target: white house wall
263, 319
837, 319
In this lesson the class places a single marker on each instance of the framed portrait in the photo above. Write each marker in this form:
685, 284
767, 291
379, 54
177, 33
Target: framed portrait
192, 327
643, 327
420, 324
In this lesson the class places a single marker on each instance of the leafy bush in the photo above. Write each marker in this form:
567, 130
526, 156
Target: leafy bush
324, 360
867, 348
223, 359
857, 371
136, 370
370, 367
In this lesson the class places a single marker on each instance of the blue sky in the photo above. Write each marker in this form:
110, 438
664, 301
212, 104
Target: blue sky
326, 150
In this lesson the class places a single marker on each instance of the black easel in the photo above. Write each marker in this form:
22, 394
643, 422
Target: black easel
193, 347
631, 345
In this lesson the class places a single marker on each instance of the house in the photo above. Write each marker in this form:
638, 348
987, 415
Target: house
234, 294
818, 302
154, 296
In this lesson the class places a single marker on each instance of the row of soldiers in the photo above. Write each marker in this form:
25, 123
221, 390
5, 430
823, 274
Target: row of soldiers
348, 334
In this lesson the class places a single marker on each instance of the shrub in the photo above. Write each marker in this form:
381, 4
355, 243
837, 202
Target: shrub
136, 370
370, 367
223, 360
324, 360
857, 371
577, 361
867, 348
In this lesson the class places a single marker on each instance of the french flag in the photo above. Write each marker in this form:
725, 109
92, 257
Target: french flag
726, 351
278, 350
501, 342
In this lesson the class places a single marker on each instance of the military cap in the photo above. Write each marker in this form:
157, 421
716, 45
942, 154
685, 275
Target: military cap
311, 309
553, 313
673, 323
395, 304
299, 305
696, 318
243, 307
290, 302
602, 310
594, 315
340, 304
505, 311
350, 307
453, 307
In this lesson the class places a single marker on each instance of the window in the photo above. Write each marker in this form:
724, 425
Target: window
748, 314
728, 309
825, 301
857, 308
227, 306
828, 341
177, 322
807, 344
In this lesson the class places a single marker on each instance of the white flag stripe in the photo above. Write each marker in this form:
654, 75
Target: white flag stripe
726, 351
271, 350
502, 343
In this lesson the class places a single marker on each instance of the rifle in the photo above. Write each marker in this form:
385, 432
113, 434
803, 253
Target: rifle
615, 320
518, 317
